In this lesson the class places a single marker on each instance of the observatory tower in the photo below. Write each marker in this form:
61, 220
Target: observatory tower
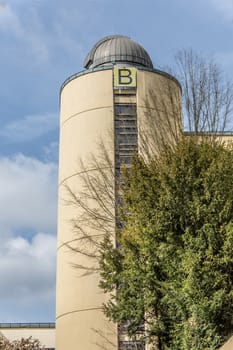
121, 100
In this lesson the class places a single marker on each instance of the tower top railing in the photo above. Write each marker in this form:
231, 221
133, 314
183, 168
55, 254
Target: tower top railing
28, 325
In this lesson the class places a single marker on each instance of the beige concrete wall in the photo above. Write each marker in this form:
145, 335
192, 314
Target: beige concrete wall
86, 119
46, 336
159, 111
228, 345
226, 139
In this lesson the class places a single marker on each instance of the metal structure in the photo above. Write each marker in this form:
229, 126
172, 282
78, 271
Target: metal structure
117, 48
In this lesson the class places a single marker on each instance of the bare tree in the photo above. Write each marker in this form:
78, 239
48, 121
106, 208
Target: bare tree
22, 344
207, 95
98, 187
161, 120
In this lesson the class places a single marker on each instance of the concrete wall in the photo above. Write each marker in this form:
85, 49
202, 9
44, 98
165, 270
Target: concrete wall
87, 117
46, 336
228, 345
159, 111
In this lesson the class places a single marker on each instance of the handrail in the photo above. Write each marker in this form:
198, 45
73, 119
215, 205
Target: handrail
28, 325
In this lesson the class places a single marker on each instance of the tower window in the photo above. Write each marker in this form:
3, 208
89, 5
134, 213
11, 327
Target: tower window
126, 137
131, 345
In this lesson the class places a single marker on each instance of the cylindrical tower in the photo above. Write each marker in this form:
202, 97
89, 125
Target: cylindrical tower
121, 102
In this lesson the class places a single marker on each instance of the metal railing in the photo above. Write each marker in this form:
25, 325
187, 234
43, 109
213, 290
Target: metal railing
28, 325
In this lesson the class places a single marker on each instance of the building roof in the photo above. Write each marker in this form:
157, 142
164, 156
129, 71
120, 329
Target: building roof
117, 49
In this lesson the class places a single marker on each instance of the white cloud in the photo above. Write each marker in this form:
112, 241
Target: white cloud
29, 128
25, 26
35, 36
27, 269
28, 197
8, 19
51, 151
28, 205
224, 6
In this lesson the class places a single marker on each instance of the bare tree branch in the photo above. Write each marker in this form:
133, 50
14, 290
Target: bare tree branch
207, 96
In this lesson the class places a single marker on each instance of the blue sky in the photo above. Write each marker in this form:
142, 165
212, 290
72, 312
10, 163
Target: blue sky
42, 43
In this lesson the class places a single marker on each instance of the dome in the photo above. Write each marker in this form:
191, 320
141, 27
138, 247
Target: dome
117, 48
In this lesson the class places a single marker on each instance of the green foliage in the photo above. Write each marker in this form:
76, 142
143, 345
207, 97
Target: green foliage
173, 269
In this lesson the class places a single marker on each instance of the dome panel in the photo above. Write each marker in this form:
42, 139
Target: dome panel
117, 48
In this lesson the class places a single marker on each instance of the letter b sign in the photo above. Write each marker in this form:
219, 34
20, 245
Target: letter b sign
124, 77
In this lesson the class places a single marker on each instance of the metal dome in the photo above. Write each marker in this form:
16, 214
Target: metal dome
117, 48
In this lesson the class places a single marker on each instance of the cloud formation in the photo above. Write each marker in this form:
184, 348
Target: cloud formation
225, 7
27, 273
28, 194
35, 35
27, 268
29, 128
28, 243
51, 151
26, 28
